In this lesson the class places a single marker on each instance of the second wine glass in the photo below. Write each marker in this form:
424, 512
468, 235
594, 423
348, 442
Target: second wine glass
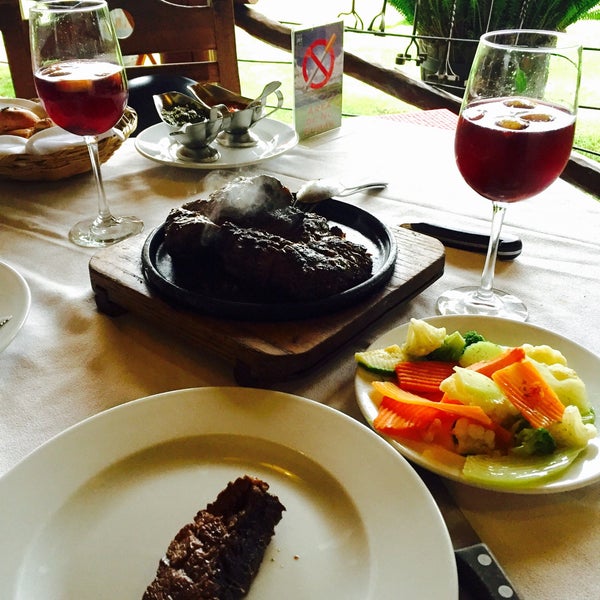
513, 139
80, 80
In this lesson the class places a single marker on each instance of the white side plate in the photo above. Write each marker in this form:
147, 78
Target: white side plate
89, 514
584, 471
274, 138
15, 300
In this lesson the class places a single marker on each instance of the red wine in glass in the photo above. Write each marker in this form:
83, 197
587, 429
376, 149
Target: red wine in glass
530, 140
79, 77
82, 96
513, 139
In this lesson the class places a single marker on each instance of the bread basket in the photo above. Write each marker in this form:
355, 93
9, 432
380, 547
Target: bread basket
68, 161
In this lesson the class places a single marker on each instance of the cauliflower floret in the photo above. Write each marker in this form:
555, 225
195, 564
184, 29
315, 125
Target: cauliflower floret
544, 354
423, 338
472, 438
567, 385
471, 387
572, 432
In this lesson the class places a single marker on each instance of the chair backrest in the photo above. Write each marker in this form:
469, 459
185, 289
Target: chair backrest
192, 38
15, 34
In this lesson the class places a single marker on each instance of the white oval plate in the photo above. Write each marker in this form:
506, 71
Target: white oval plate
15, 300
584, 471
274, 137
14, 144
89, 514
31, 105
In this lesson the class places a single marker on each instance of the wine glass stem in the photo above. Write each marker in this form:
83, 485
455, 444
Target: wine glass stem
485, 292
104, 216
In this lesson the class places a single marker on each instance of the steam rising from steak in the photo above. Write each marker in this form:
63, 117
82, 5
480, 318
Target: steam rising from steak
249, 232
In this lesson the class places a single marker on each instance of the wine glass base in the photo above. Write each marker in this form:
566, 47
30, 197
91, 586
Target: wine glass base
91, 235
466, 301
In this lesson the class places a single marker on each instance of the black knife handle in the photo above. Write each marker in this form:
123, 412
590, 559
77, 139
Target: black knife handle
509, 248
481, 574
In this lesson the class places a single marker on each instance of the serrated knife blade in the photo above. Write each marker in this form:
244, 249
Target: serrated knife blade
480, 575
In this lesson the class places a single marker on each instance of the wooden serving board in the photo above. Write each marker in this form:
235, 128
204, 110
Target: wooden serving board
262, 352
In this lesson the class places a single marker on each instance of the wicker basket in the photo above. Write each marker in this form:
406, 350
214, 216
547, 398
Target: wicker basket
68, 161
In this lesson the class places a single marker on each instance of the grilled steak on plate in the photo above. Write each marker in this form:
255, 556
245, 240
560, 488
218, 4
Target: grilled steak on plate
217, 556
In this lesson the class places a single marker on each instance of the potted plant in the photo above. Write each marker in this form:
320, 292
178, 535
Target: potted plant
448, 30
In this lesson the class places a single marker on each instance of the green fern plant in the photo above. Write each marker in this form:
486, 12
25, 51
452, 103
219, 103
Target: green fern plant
448, 65
471, 18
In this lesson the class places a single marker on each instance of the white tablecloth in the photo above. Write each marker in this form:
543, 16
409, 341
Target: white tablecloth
69, 361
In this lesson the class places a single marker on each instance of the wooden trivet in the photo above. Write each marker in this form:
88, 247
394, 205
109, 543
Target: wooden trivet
262, 352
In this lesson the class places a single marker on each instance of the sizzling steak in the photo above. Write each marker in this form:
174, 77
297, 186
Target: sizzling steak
250, 233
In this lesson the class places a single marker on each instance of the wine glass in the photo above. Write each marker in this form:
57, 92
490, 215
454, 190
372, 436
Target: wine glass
513, 139
80, 80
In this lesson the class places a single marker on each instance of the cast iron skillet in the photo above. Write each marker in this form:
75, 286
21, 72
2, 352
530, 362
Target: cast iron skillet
358, 225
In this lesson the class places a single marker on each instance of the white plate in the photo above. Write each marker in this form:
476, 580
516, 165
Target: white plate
274, 137
15, 300
89, 514
584, 471
31, 105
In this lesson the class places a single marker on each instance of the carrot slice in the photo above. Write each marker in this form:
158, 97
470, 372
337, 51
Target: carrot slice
509, 356
447, 399
476, 413
449, 458
523, 385
420, 423
394, 420
425, 376
433, 396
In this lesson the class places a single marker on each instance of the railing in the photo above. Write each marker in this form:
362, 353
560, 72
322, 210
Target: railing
581, 170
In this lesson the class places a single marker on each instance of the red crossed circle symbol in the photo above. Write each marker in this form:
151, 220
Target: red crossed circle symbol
320, 73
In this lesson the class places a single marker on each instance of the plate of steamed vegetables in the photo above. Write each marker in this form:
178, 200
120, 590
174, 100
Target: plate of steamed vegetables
489, 402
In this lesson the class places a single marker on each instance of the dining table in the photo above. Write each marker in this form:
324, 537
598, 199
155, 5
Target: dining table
71, 360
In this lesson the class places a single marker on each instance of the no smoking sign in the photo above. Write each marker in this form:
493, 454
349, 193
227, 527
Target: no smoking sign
318, 62
318, 76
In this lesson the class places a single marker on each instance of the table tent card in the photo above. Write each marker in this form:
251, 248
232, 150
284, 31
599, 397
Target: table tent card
318, 70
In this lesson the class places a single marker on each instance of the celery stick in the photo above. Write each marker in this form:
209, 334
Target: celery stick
513, 472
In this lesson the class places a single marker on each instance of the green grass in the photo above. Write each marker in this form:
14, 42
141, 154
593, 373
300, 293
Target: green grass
260, 63
6, 87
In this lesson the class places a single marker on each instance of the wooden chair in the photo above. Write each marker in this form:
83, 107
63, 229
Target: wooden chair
193, 38
15, 33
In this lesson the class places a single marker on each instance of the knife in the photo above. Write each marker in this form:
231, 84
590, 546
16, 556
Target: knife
480, 576
509, 248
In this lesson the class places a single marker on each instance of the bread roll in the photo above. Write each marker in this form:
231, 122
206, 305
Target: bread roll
17, 121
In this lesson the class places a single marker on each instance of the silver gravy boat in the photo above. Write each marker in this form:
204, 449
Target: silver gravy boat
240, 113
192, 124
